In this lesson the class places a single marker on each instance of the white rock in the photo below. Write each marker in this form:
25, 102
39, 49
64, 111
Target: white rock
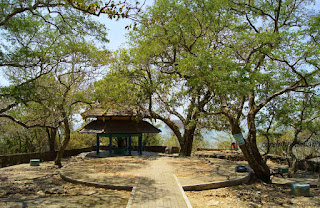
213, 202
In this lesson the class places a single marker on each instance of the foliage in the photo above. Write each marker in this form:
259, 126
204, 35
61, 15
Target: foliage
171, 141
80, 140
16, 139
228, 58
48, 55
223, 140
152, 140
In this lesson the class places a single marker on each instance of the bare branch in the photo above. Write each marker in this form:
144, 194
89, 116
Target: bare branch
24, 124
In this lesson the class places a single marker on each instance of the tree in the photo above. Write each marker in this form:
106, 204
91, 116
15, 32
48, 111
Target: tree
276, 44
15, 8
234, 57
171, 49
49, 89
34, 53
149, 90
300, 114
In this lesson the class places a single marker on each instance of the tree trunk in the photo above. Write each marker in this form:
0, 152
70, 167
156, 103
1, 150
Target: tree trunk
186, 143
65, 142
252, 154
292, 159
52, 133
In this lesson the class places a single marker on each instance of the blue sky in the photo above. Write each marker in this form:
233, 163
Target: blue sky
116, 29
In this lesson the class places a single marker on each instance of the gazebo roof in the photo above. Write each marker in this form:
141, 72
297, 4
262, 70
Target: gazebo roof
119, 127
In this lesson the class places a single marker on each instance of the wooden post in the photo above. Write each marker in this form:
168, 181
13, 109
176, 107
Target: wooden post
126, 145
140, 145
129, 145
110, 146
98, 144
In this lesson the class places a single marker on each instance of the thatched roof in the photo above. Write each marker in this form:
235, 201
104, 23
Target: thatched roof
119, 127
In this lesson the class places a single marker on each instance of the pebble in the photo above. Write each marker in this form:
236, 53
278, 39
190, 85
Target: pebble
91, 192
40, 193
213, 202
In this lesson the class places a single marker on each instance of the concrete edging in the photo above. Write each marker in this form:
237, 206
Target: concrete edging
97, 185
186, 200
220, 184
129, 204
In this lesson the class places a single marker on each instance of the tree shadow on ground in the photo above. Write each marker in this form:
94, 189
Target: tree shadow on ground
48, 189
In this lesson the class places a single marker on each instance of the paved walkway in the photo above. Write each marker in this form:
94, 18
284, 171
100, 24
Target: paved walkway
157, 187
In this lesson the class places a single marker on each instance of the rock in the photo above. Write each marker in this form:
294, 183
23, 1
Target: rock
40, 193
213, 202
290, 202
54, 191
91, 192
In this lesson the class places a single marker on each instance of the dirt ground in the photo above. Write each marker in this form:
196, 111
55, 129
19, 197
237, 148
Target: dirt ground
258, 194
41, 186
253, 195
112, 170
195, 170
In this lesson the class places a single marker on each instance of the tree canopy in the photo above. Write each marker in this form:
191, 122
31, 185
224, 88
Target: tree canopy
227, 59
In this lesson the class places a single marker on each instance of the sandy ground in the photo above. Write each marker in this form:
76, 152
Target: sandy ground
113, 171
26, 186
195, 170
41, 186
253, 195
258, 194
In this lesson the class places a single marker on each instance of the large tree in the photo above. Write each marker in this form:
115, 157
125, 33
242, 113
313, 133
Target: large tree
156, 95
244, 53
48, 64
33, 52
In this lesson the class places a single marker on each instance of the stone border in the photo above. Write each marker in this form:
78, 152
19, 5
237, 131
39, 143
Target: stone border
97, 185
220, 184
129, 204
186, 200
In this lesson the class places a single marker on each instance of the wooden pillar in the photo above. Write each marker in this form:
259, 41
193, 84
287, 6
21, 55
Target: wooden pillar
110, 145
140, 145
98, 144
129, 145
126, 145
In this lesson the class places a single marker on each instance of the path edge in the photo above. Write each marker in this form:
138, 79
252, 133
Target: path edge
220, 184
186, 200
129, 204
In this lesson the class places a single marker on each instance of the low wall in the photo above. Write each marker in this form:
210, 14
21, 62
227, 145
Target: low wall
210, 149
160, 149
234, 156
7, 160
310, 165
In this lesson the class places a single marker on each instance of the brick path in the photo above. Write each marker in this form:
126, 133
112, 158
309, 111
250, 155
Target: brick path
157, 187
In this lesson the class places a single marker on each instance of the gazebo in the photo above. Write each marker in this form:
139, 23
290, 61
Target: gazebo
114, 124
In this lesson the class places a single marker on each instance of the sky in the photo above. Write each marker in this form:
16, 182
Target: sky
116, 29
